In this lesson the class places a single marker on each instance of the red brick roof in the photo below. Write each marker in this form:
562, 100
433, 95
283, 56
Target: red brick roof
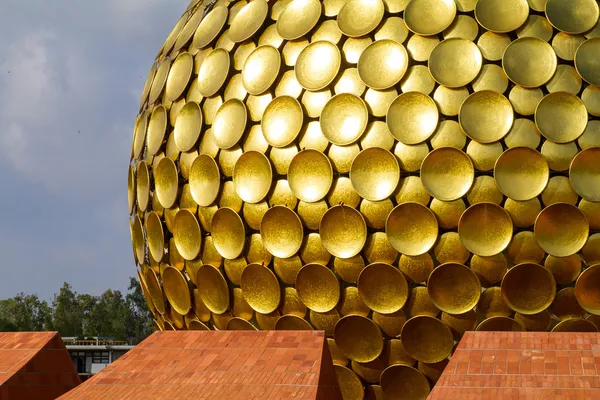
34, 365
522, 365
219, 365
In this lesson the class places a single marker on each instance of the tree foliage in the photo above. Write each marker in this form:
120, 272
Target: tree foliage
111, 314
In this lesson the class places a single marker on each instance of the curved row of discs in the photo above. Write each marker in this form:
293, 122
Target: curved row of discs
393, 172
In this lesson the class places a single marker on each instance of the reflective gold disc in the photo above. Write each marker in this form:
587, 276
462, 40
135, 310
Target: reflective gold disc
584, 174
540, 322
155, 236
310, 175
586, 60
528, 288
260, 69
343, 231
213, 289
492, 304
187, 234
518, 65
489, 270
454, 288
501, 15
460, 323
575, 325
298, 18
239, 324
205, 180
252, 177
521, 173
344, 118
281, 231
500, 324
565, 305
176, 290
561, 229
427, 339
374, 173
349, 268
405, 221
561, 117
292, 323
154, 290
447, 173
359, 17
485, 229
213, 72
382, 64
282, 121
358, 338
209, 27
229, 123
523, 134
166, 182
156, 129
318, 287
575, 16
248, 20
412, 117
382, 288
564, 269
486, 116
318, 64
179, 76
455, 62
587, 290
228, 233
403, 382
417, 268
350, 384
429, 17
260, 288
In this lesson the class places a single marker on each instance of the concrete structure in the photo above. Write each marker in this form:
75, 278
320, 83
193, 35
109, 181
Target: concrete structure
34, 365
91, 355
219, 365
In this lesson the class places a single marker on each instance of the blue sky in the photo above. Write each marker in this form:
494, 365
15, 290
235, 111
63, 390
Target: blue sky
71, 74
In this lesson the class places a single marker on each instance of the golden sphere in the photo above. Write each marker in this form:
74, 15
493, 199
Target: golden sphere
287, 153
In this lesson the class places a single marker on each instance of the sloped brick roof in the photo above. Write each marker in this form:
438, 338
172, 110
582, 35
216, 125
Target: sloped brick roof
34, 365
522, 365
219, 365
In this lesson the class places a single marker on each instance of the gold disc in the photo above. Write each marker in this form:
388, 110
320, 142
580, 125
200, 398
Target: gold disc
248, 20
228, 233
521, 173
574, 16
205, 180
417, 268
179, 76
490, 269
500, 324
427, 339
587, 289
155, 236
402, 226
154, 290
540, 322
528, 288
586, 60
382, 64
343, 231
429, 17
239, 324
584, 174
156, 129
370, 371
260, 288
383, 288
261, 69
310, 175
564, 269
292, 323
485, 229
318, 65
213, 289
344, 118
403, 382
374, 173
358, 338
187, 234
561, 117
460, 323
298, 18
486, 116
359, 17
517, 64
282, 121
412, 117
455, 62
176, 290
447, 173
350, 384
209, 27
229, 123
318, 287
492, 304
565, 305
501, 15
213, 72
575, 325
454, 288
281, 231
252, 177
573, 232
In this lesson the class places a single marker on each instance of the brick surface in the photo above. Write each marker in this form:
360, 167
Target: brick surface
522, 365
34, 365
241, 365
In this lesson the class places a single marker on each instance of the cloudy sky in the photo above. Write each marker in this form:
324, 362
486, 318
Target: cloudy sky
71, 73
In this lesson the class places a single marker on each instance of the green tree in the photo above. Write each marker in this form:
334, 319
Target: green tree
68, 316
142, 317
25, 313
111, 316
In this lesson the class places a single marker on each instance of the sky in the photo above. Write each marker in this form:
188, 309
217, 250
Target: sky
71, 75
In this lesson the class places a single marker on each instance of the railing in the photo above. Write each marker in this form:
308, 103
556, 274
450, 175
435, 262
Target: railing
97, 342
